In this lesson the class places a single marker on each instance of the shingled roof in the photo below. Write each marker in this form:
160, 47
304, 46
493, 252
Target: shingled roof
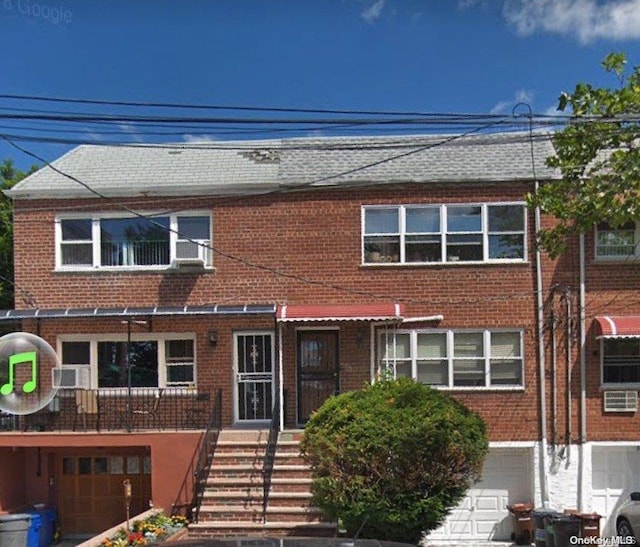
257, 166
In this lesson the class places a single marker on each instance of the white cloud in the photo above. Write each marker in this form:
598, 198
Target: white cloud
131, 130
373, 11
198, 138
586, 20
470, 4
520, 96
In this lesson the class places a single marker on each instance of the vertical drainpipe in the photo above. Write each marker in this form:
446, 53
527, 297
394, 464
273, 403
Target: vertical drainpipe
544, 494
583, 379
280, 377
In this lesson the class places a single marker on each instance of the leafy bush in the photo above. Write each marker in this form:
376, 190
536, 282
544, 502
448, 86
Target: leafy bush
391, 460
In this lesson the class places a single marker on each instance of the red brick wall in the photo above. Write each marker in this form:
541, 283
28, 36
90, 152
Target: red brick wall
316, 236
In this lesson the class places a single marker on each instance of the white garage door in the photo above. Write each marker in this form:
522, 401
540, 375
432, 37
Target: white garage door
483, 514
616, 473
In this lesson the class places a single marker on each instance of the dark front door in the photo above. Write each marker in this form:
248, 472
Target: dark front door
317, 370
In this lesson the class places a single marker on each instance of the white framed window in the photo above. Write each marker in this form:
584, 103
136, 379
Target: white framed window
621, 242
620, 359
424, 234
455, 359
109, 241
157, 360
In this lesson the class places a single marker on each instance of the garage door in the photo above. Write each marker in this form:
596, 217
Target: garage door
483, 514
615, 473
89, 488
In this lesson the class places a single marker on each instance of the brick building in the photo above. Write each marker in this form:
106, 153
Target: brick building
257, 278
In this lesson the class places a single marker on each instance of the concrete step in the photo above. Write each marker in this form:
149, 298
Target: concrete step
272, 529
242, 483
254, 498
235, 513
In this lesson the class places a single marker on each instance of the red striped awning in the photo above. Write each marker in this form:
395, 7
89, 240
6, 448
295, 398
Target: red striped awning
609, 326
340, 312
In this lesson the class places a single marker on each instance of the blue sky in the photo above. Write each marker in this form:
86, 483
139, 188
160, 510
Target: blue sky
423, 55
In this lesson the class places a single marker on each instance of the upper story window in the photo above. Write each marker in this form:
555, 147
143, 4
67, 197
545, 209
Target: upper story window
132, 242
160, 361
621, 361
420, 234
621, 242
452, 359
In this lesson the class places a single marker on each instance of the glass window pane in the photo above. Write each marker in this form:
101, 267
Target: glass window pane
84, 466
116, 465
100, 466
468, 372
402, 347
505, 344
134, 241
194, 227
464, 218
423, 248
621, 361
422, 220
146, 465
403, 369
507, 372
381, 249
76, 353
76, 254
77, 229
381, 221
432, 346
433, 372
180, 350
133, 465
506, 218
466, 247
468, 344
112, 364
180, 374
506, 246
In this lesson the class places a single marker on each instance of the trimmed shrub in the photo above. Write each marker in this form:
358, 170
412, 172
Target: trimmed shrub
391, 460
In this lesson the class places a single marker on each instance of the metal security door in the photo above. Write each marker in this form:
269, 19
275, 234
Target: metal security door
318, 369
254, 377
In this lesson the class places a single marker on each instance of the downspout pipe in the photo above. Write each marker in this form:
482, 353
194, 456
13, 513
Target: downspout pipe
544, 492
582, 499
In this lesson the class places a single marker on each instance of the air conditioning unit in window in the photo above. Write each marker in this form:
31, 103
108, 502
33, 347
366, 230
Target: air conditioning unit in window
620, 401
189, 253
72, 376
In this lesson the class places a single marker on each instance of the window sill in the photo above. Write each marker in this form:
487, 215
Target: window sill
453, 263
482, 389
170, 270
620, 387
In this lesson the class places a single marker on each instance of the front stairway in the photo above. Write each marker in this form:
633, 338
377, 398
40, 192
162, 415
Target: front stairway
233, 498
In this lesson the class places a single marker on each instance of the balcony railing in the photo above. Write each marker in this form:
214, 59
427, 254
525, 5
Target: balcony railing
141, 409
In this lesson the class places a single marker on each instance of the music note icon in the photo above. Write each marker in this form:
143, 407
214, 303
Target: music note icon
17, 359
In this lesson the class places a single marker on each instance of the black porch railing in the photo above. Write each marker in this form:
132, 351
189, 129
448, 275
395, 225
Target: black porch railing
270, 456
117, 409
205, 456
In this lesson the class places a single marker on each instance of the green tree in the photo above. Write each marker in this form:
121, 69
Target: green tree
9, 176
598, 156
391, 460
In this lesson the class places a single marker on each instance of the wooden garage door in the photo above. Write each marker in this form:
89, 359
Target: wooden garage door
615, 474
90, 488
483, 514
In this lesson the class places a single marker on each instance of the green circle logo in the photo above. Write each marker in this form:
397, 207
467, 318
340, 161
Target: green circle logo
29, 373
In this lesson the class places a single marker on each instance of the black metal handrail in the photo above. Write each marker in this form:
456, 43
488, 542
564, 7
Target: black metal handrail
270, 456
205, 456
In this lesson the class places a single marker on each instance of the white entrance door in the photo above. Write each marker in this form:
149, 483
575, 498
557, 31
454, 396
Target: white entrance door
483, 514
254, 386
615, 474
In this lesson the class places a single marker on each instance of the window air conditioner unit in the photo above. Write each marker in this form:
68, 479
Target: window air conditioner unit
189, 253
620, 401
72, 376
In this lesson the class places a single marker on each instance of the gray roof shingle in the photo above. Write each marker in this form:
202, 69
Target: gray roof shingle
254, 166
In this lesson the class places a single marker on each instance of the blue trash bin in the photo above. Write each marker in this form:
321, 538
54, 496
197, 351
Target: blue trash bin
48, 523
33, 537
14, 529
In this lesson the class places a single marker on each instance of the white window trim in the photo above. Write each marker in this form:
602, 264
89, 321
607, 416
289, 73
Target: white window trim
617, 385
95, 219
135, 337
486, 333
443, 234
613, 258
